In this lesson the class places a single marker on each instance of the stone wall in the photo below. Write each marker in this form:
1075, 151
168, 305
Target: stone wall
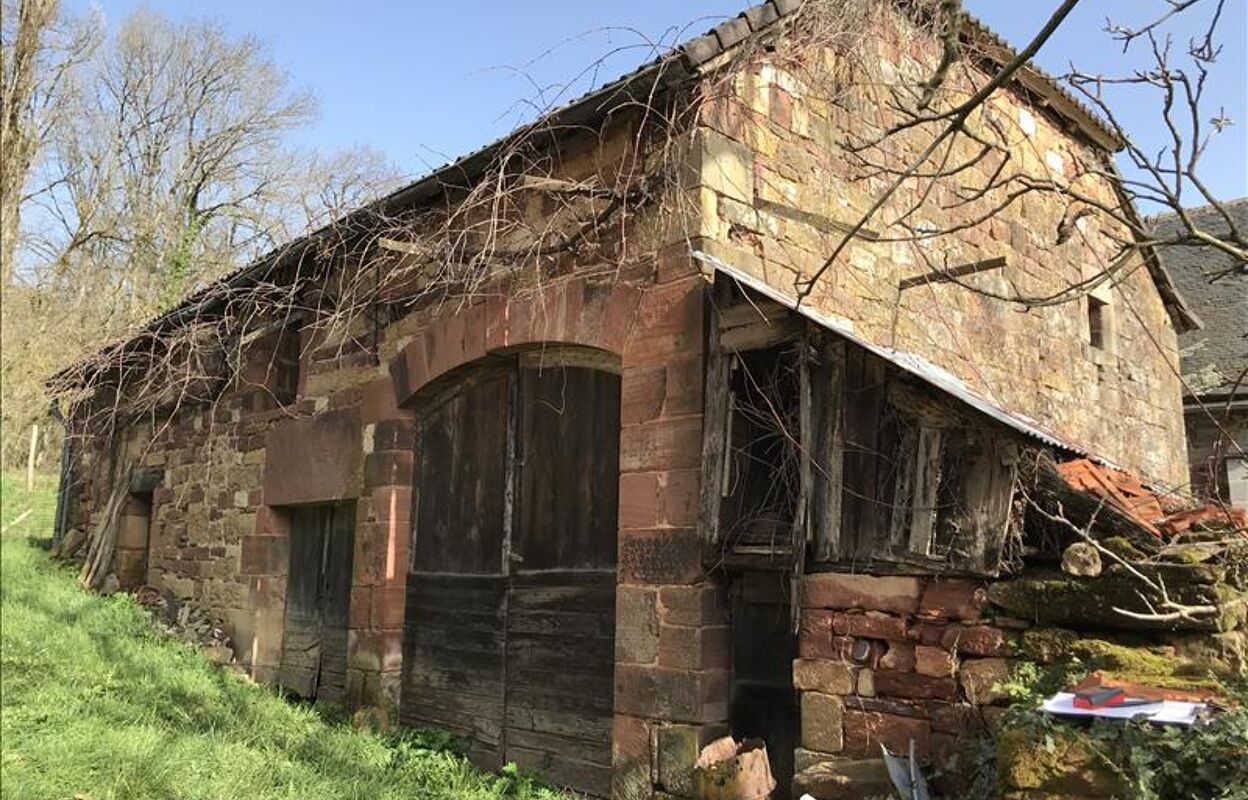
887, 660
1213, 452
344, 430
779, 189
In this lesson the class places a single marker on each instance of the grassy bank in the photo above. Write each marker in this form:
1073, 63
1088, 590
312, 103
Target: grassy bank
94, 704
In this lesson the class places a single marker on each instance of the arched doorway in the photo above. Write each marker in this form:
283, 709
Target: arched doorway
510, 626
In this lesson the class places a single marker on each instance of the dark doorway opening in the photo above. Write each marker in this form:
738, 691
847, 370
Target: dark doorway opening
134, 526
318, 602
763, 702
510, 626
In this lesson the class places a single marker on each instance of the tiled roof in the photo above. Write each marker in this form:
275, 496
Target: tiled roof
1214, 358
665, 71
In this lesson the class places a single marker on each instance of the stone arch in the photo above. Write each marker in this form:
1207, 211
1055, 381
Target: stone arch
579, 313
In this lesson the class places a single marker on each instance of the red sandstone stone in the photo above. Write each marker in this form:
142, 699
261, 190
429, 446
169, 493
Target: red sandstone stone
695, 647
674, 263
981, 677
639, 500
668, 323
870, 626
953, 599
866, 592
361, 607
934, 662
636, 624
680, 494
692, 605
976, 640
678, 695
378, 403
642, 391
660, 555
865, 731
927, 633
389, 606
899, 657
683, 387
631, 757
913, 686
388, 468
814, 636
661, 444
263, 555
394, 434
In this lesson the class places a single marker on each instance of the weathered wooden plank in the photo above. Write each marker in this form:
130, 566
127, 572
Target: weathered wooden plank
760, 335
520, 662
864, 516
761, 310
338, 524
903, 492
715, 416
301, 637
458, 501
560, 670
989, 477
828, 448
580, 730
569, 481
802, 529
453, 660
586, 777
926, 472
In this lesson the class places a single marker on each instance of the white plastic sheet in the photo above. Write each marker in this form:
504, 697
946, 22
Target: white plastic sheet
1176, 712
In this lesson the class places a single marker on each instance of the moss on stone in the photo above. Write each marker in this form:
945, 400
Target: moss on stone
1067, 765
1186, 554
1090, 603
1121, 546
1046, 645
1025, 765
1155, 666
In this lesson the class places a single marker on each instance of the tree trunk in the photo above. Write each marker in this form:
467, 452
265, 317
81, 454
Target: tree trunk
34, 17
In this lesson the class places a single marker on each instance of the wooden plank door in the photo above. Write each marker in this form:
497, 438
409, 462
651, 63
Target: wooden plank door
560, 636
318, 601
453, 663
338, 525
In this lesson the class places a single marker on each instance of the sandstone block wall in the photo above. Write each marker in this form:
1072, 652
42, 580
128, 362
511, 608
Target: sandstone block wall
779, 189
887, 660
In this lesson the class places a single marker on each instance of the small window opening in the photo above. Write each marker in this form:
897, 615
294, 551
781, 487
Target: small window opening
1098, 323
763, 455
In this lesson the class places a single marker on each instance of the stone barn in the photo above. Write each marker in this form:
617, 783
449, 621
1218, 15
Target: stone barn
574, 448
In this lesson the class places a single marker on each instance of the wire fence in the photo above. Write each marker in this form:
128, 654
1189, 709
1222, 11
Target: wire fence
28, 510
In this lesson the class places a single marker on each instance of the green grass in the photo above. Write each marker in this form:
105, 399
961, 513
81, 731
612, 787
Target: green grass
95, 704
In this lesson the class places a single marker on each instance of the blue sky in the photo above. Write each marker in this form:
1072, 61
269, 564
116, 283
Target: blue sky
427, 81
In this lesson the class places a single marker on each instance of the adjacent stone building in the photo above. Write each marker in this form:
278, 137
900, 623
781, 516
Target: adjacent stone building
1214, 358
576, 449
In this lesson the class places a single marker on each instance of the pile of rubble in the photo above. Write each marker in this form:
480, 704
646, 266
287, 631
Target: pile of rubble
187, 622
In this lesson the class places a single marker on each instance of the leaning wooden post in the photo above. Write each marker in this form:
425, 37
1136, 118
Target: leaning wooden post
30, 457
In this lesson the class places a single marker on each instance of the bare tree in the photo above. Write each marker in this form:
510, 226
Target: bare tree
154, 160
39, 52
